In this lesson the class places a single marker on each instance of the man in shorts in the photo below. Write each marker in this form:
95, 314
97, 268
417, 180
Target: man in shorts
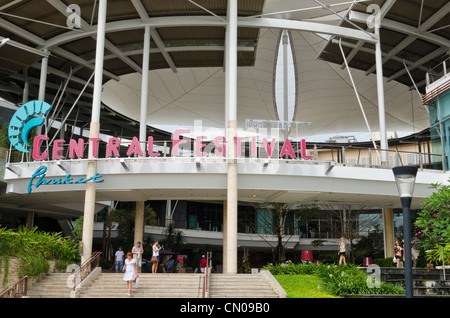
119, 260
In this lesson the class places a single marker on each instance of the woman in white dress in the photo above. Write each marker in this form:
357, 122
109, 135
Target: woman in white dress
130, 270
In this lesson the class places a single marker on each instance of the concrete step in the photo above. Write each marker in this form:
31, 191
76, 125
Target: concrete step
112, 285
391, 273
240, 286
443, 291
52, 285
425, 281
140, 293
433, 283
150, 286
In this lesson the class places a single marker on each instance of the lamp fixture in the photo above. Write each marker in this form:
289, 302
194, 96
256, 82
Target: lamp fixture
405, 178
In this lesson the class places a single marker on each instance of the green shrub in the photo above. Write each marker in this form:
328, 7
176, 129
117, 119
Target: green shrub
433, 224
384, 262
34, 242
35, 247
337, 280
33, 265
434, 254
329, 258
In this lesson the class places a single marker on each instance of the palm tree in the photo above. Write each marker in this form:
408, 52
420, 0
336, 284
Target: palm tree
174, 238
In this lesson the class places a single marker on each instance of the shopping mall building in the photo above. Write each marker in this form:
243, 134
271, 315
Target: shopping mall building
201, 108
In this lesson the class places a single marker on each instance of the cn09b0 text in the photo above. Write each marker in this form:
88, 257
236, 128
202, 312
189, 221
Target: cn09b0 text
247, 307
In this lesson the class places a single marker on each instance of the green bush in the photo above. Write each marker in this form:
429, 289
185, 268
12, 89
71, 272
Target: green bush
384, 262
337, 280
329, 258
34, 242
33, 265
35, 247
435, 254
433, 224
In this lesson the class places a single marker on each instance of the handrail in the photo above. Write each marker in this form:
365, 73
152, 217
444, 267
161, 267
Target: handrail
438, 73
206, 276
85, 269
18, 290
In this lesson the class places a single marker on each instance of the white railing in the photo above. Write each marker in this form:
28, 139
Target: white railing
347, 155
438, 72
206, 276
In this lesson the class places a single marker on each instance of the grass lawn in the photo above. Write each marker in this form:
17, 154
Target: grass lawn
302, 286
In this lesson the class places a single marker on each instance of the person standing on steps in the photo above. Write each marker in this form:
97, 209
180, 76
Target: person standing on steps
137, 255
398, 253
414, 255
203, 264
119, 260
130, 269
155, 256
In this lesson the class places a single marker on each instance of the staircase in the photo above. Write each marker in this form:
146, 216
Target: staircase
111, 285
426, 282
53, 285
241, 286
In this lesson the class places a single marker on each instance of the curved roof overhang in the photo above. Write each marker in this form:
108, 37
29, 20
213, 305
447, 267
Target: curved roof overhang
188, 37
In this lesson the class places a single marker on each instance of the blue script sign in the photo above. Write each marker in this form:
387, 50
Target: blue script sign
40, 174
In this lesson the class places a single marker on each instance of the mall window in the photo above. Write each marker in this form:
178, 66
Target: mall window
439, 112
204, 216
440, 130
338, 221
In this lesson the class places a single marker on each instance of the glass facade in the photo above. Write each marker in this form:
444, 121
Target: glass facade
329, 222
322, 224
439, 109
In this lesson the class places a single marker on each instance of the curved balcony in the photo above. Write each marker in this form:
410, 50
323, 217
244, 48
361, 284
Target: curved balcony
205, 178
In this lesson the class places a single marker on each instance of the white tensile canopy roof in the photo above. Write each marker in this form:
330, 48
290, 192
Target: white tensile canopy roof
325, 95
187, 62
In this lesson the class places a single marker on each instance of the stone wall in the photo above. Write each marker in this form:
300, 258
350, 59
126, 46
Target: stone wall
13, 273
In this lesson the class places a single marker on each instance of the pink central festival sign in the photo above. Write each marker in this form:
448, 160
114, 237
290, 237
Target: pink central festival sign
76, 147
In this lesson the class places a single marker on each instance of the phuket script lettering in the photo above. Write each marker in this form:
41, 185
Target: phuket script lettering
40, 174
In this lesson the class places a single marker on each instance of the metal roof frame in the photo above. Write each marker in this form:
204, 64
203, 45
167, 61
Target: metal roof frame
126, 16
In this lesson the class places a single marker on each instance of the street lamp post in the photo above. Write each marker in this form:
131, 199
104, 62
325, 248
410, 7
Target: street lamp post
405, 178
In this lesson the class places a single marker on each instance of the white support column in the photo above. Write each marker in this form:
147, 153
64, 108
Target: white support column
224, 231
168, 218
89, 203
230, 247
144, 90
380, 93
26, 86
43, 78
388, 232
139, 228
285, 83
139, 222
42, 86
